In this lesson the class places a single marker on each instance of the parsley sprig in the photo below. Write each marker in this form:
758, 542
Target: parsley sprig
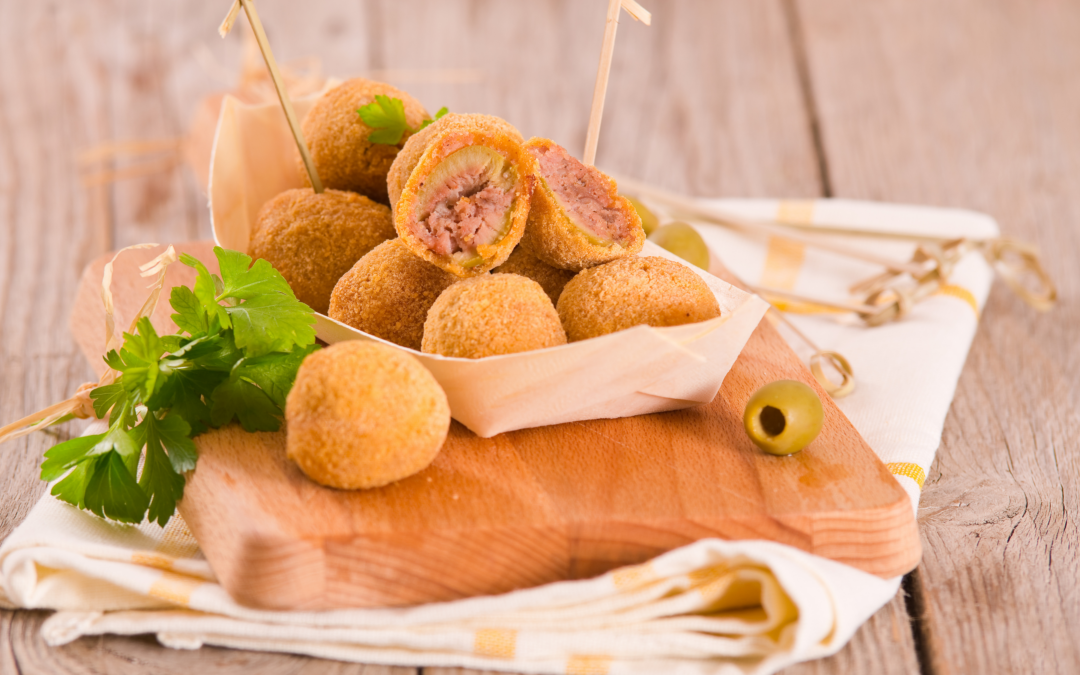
242, 337
387, 117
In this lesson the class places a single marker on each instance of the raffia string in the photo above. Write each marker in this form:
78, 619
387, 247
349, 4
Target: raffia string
80, 405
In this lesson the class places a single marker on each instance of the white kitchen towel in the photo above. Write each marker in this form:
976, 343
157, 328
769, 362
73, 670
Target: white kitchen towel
711, 607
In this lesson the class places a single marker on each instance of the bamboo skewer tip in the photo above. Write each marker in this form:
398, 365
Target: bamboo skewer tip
279, 84
603, 71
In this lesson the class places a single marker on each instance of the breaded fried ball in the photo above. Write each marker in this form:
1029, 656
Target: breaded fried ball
490, 315
314, 239
362, 415
577, 219
338, 138
388, 293
465, 200
551, 279
634, 291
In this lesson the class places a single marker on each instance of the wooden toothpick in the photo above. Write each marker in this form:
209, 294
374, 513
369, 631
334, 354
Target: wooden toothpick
279, 84
604, 70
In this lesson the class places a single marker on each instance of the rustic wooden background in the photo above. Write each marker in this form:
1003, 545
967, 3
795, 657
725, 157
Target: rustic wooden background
966, 103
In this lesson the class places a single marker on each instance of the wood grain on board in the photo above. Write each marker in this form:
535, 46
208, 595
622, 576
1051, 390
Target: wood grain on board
528, 507
975, 104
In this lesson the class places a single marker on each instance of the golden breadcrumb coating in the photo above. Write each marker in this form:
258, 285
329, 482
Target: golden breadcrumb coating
490, 315
634, 291
387, 294
314, 239
554, 238
551, 279
362, 415
425, 152
338, 138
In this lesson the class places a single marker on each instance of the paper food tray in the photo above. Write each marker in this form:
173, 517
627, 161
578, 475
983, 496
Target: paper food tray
632, 372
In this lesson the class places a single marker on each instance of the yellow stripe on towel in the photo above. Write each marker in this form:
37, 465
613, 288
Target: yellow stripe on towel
962, 293
795, 212
912, 471
588, 665
155, 560
175, 588
783, 257
635, 576
783, 262
499, 643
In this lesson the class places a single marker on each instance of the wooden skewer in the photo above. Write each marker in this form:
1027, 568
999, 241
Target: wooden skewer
279, 83
762, 227
600, 90
637, 11
860, 309
604, 70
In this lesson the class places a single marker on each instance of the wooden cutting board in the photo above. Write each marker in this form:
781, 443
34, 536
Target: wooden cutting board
527, 507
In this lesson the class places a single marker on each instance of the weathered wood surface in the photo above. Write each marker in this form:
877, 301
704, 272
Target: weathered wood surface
968, 103
973, 104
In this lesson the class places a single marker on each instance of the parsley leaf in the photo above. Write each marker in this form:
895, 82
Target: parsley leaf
169, 453
111, 397
63, 456
190, 314
273, 373
185, 394
241, 399
207, 287
246, 335
271, 323
438, 116
386, 116
111, 491
243, 281
73, 488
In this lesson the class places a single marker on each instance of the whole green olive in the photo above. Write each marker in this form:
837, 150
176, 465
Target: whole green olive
649, 221
783, 417
684, 241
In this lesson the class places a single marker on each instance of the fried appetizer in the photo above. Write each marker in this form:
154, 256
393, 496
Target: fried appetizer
362, 415
314, 239
387, 294
338, 138
634, 291
492, 314
578, 219
551, 279
465, 185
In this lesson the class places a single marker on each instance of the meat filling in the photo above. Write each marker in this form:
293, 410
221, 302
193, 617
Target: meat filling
464, 210
582, 193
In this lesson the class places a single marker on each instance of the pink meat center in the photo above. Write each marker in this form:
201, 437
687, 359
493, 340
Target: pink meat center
581, 192
463, 213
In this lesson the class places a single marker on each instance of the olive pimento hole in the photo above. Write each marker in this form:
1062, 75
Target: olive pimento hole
772, 420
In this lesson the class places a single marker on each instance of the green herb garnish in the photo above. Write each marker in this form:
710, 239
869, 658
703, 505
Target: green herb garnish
242, 337
387, 117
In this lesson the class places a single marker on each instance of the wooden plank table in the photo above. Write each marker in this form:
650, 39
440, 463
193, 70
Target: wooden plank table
967, 103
